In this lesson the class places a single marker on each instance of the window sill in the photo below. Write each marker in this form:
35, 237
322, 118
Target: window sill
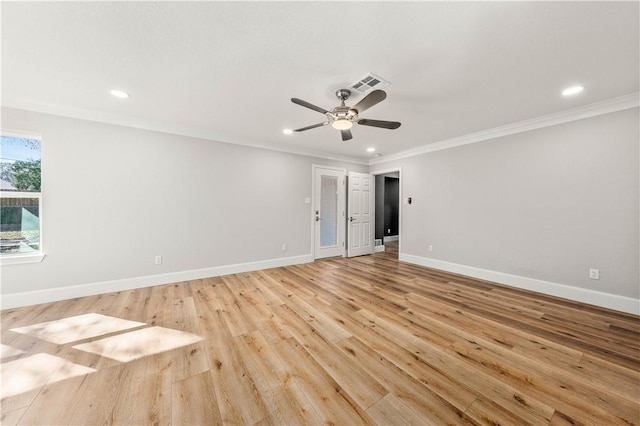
15, 259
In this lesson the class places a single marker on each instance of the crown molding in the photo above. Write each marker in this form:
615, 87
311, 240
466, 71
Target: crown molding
599, 108
165, 127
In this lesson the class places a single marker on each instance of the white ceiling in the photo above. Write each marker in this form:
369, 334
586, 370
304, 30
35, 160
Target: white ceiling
227, 70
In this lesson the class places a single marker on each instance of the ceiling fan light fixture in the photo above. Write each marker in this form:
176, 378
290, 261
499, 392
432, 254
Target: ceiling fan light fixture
343, 117
342, 124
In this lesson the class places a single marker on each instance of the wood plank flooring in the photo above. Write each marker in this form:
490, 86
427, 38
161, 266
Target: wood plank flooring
367, 340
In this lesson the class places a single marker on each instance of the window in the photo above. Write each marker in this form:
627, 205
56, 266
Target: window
20, 199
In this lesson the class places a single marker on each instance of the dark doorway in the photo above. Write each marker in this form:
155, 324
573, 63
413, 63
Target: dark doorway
387, 209
391, 193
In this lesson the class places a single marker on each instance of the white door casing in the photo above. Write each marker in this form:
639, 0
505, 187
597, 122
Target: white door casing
360, 214
328, 212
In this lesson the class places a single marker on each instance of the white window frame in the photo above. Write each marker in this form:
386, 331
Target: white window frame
34, 257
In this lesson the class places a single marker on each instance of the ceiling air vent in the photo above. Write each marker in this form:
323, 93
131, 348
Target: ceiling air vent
368, 82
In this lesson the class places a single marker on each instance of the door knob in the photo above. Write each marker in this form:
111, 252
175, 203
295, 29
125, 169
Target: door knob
351, 219
318, 218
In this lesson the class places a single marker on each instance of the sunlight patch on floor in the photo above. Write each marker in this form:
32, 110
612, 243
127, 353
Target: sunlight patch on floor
139, 343
76, 328
35, 371
31, 373
7, 351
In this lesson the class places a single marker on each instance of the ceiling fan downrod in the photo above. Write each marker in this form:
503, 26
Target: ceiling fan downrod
343, 95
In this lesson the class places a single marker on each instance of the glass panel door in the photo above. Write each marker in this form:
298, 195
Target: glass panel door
328, 211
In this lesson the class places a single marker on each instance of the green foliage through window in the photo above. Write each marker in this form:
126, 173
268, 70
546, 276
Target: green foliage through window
20, 173
20, 164
26, 175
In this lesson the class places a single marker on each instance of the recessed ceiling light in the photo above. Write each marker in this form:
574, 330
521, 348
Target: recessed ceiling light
572, 90
370, 149
287, 131
120, 94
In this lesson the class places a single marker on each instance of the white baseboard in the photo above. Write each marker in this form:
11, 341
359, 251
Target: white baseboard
26, 298
377, 249
390, 238
605, 300
592, 297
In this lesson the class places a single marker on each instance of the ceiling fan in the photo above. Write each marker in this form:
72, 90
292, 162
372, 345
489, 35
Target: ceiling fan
342, 117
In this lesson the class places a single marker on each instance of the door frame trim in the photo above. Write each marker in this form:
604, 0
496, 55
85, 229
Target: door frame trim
314, 168
384, 172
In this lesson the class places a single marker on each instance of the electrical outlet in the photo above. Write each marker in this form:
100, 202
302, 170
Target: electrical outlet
158, 260
430, 248
284, 247
594, 274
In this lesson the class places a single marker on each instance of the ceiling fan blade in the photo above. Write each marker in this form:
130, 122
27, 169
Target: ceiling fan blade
380, 123
313, 126
308, 105
346, 135
370, 100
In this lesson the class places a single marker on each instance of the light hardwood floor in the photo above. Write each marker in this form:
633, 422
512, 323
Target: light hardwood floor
340, 341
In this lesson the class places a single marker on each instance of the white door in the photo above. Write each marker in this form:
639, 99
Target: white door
360, 213
328, 212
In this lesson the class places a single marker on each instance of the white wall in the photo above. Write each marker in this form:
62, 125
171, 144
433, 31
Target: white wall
546, 205
115, 197
537, 208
